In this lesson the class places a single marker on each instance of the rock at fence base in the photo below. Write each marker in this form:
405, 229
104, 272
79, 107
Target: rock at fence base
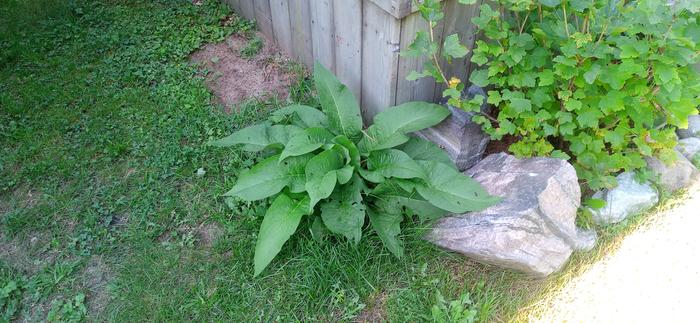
689, 147
533, 229
674, 176
628, 198
462, 139
693, 128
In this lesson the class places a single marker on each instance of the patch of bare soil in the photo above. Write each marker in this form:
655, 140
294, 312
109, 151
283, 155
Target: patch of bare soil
209, 233
376, 311
97, 275
500, 146
233, 78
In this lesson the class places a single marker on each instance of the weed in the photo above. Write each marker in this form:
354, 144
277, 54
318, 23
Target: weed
11, 289
252, 48
71, 310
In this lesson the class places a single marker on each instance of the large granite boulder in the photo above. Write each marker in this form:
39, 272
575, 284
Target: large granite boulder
673, 176
533, 229
463, 139
693, 129
628, 198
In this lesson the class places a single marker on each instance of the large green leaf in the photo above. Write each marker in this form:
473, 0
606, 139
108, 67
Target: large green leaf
296, 171
281, 221
338, 103
321, 175
305, 142
264, 179
308, 117
353, 152
394, 163
453, 191
344, 174
344, 212
453, 48
259, 137
410, 117
377, 137
421, 149
388, 226
391, 197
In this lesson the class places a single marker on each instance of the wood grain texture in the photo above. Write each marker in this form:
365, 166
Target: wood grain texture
281, 24
322, 33
396, 8
234, 4
380, 52
422, 89
247, 9
347, 21
263, 17
300, 21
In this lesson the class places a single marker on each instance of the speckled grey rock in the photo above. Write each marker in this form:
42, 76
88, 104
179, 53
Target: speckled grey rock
628, 198
689, 147
693, 128
462, 139
674, 176
533, 229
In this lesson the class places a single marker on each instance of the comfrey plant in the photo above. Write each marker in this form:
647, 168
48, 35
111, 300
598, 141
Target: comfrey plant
603, 82
323, 166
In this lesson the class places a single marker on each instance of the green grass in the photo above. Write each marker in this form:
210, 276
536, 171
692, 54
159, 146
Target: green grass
103, 126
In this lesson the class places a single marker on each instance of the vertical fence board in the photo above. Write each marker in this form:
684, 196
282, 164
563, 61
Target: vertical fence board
263, 17
322, 33
247, 8
360, 40
235, 4
380, 47
422, 89
280, 24
347, 22
458, 21
300, 21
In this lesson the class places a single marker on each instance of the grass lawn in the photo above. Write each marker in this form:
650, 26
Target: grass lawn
103, 125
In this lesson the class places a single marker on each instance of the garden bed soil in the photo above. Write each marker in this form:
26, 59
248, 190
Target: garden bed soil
500, 146
233, 78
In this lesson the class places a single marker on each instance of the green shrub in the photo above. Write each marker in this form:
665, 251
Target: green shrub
324, 166
603, 81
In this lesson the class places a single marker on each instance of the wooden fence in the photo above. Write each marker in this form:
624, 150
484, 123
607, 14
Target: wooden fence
360, 41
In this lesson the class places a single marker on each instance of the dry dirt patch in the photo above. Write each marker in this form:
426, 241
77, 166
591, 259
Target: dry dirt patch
233, 78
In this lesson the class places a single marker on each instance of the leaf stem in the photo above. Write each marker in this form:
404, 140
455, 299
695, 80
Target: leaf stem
566, 22
524, 21
434, 55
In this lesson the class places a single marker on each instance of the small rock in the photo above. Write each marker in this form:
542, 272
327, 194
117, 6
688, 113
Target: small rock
533, 229
201, 172
463, 139
628, 198
689, 147
675, 176
693, 129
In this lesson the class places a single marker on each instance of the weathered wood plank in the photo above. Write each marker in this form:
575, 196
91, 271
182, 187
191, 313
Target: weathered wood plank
347, 23
421, 89
322, 33
263, 17
281, 25
458, 21
397, 8
380, 51
247, 9
235, 5
300, 23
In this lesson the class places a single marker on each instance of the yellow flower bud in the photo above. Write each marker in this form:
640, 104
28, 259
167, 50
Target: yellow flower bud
453, 82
